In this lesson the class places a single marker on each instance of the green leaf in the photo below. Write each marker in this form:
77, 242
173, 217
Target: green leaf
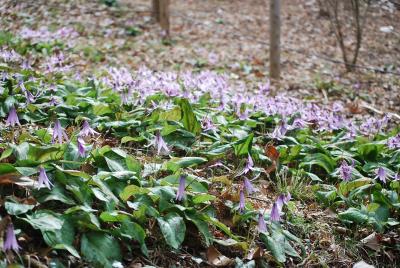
6, 153
201, 225
354, 215
16, 208
173, 229
45, 220
113, 216
319, 159
100, 249
134, 231
184, 162
189, 119
276, 245
243, 146
202, 198
68, 248
6, 168
114, 165
132, 190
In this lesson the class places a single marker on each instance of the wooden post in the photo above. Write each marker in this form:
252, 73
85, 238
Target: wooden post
275, 39
164, 16
156, 10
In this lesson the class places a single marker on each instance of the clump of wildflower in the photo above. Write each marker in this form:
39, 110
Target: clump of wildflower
346, 170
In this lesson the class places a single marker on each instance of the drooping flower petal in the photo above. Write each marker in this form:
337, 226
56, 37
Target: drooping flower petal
10, 241
181, 188
43, 180
87, 130
12, 118
248, 186
81, 147
159, 143
242, 202
58, 133
262, 226
381, 174
275, 213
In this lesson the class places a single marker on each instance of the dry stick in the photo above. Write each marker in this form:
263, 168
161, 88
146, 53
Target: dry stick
367, 106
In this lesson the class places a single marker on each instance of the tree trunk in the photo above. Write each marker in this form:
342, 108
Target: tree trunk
275, 40
164, 16
156, 10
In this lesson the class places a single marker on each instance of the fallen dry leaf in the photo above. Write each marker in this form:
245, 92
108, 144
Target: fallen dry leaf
217, 259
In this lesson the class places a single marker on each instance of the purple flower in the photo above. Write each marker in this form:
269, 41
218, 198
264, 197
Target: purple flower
43, 180
394, 142
160, 144
346, 170
241, 201
249, 164
262, 226
207, 124
53, 101
81, 146
283, 199
87, 130
248, 186
397, 177
181, 189
58, 133
275, 213
12, 118
381, 174
10, 241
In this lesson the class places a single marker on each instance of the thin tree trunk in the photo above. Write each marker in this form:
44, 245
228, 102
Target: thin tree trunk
156, 10
164, 16
275, 40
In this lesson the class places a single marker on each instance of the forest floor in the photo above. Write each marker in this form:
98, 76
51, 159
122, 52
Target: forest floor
232, 37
